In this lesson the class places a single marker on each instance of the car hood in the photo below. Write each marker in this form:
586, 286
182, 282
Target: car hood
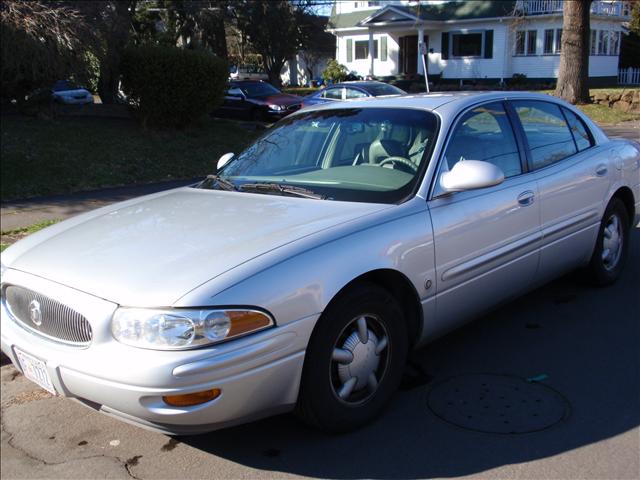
152, 251
279, 99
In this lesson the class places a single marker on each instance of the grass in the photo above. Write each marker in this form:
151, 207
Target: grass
602, 113
65, 155
10, 236
302, 91
605, 114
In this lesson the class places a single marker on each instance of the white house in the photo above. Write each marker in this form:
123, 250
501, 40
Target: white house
483, 40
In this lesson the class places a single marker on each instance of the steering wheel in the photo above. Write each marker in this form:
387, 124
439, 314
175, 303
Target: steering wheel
401, 160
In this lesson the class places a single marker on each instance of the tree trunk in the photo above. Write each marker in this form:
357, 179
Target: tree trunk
573, 76
116, 36
273, 69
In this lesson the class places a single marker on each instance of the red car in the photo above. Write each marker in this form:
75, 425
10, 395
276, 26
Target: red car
257, 100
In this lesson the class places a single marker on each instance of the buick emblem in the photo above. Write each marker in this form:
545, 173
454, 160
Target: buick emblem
34, 313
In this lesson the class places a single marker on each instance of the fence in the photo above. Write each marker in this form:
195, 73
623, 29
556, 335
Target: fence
629, 76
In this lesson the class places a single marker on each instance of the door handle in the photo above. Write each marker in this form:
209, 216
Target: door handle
601, 170
526, 198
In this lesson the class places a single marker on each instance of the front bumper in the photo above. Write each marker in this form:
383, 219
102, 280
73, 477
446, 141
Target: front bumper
258, 374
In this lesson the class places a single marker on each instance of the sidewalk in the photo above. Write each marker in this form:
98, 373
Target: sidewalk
22, 213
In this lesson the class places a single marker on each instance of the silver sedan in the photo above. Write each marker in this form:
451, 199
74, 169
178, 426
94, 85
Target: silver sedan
300, 275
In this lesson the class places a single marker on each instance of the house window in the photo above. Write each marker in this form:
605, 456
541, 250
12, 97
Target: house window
603, 42
594, 44
526, 41
558, 40
548, 42
466, 44
362, 49
615, 43
520, 39
531, 42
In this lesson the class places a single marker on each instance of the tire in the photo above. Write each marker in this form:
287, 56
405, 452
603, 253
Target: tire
610, 252
337, 393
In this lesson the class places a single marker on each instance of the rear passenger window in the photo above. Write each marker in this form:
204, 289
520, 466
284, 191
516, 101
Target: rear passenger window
333, 93
579, 130
485, 133
547, 132
353, 93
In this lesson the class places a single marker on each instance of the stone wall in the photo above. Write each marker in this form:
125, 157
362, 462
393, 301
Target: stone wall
627, 100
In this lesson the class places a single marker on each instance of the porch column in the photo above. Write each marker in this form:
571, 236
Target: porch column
420, 40
370, 52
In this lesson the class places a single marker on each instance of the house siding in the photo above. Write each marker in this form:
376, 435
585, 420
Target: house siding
504, 62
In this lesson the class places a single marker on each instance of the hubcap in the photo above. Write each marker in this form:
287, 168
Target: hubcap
612, 240
359, 359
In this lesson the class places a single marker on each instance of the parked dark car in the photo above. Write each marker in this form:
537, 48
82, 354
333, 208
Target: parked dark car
351, 90
257, 100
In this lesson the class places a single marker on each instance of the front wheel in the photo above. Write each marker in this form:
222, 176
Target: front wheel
610, 251
354, 360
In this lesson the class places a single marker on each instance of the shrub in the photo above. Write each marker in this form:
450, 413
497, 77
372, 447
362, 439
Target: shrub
335, 72
172, 87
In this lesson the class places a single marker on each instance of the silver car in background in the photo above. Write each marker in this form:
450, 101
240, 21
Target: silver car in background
302, 273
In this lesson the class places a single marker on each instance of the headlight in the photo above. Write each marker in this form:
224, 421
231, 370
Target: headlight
277, 108
181, 329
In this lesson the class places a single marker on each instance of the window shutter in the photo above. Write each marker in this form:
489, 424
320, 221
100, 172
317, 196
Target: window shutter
445, 45
383, 49
488, 44
349, 50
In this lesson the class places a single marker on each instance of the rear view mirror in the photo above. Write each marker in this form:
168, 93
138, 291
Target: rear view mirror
469, 175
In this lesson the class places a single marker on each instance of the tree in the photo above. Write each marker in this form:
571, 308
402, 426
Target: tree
272, 28
41, 42
111, 21
634, 24
315, 44
335, 72
573, 75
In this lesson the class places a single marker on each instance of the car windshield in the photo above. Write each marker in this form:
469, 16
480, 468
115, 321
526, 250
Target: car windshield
257, 89
64, 86
373, 155
383, 89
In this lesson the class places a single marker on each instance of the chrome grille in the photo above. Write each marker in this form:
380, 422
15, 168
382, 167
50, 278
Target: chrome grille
47, 317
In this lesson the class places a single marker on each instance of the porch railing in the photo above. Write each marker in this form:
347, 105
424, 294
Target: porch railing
629, 76
598, 7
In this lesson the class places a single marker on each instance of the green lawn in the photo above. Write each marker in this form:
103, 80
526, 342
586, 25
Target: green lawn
7, 237
47, 157
605, 114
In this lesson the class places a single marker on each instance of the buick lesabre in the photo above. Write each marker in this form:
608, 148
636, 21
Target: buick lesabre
300, 273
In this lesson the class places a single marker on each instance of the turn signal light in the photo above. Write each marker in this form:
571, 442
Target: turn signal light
191, 399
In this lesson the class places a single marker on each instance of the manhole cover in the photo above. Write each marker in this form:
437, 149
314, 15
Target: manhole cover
497, 404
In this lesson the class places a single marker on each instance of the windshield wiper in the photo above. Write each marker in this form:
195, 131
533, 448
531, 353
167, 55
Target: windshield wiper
222, 183
281, 189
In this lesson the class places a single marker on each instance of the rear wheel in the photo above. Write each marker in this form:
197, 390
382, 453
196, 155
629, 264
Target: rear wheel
610, 251
354, 360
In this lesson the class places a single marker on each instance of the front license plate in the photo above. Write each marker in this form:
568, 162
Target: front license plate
35, 370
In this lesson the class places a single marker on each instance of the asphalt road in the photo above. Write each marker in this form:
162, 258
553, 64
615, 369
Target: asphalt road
581, 341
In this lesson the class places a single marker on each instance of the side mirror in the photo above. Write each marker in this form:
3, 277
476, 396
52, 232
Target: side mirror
224, 159
236, 93
469, 175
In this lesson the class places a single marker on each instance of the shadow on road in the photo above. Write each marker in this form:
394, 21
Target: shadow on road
586, 341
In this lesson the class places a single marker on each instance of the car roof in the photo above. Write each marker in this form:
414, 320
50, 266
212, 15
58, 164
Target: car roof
358, 83
245, 82
433, 101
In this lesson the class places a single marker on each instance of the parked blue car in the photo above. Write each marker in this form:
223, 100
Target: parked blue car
351, 90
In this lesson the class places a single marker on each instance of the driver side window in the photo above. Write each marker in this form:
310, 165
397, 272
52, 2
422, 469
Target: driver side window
485, 133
